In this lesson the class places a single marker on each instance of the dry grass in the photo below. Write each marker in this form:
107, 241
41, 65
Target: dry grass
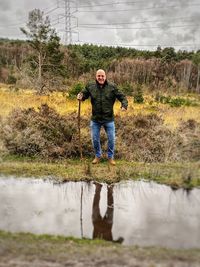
26, 98
10, 99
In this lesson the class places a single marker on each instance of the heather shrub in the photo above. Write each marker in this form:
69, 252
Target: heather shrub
45, 134
145, 138
48, 135
189, 144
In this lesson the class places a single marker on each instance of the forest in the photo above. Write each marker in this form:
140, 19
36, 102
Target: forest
158, 70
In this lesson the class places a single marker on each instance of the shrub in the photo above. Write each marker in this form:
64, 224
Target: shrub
45, 133
162, 99
145, 138
127, 88
138, 95
11, 79
174, 102
76, 89
178, 101
189, 144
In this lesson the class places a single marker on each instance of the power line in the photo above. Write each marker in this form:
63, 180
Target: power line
62, 16
135, 22
18, 23
69, 10
12, 25
50, 7
117, 3
111, 4
136, 9
51, 10
135, 28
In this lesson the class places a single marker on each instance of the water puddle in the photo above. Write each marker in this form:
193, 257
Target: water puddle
132, 213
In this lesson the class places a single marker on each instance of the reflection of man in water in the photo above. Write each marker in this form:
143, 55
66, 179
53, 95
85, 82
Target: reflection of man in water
103, 225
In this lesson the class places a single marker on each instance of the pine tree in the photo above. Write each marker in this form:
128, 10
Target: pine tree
46, 59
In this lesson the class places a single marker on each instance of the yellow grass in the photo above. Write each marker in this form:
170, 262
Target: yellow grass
10, 99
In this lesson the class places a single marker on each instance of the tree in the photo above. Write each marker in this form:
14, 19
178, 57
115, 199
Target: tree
196, 61
47, 57
169, 54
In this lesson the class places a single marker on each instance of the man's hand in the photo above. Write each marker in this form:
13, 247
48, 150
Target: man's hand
123, 109
79, 96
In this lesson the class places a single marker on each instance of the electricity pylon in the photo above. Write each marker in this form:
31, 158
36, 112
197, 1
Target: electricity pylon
68, 27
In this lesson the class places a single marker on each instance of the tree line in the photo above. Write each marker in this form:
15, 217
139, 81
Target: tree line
43, 63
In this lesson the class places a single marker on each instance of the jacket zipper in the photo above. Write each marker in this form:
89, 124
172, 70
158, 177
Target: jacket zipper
101, 104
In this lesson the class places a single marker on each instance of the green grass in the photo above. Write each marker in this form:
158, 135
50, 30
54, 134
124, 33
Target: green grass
51, 238
177, 175
64, 248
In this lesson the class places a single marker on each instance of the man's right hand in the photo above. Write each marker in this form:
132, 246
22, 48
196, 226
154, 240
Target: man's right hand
80, 96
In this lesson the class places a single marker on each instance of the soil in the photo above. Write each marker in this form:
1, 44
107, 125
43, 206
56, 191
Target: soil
27, 250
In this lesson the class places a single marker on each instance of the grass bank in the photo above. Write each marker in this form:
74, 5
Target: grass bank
45, 250
176, 175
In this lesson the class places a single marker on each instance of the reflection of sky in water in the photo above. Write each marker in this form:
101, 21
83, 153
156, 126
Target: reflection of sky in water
144, 213
157, 215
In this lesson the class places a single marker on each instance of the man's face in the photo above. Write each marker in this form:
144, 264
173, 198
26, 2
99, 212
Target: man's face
101, 77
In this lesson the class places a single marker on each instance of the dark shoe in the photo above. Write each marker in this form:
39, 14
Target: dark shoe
96, 160
112, 162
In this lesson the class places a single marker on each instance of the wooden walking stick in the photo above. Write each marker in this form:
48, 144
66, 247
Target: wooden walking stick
81, 157
79, 129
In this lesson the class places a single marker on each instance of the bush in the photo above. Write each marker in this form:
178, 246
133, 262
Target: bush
174, 102
145, 138
45, 134
189, 144
138, 95
162, 99
127, 88
178, 102
11, 79
76, 89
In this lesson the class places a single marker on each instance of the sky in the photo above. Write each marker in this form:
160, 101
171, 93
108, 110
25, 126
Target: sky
138, 24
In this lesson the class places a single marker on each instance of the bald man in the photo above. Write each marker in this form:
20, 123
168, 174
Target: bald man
103, 95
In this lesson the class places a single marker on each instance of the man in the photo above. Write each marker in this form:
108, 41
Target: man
103, 95
103, 224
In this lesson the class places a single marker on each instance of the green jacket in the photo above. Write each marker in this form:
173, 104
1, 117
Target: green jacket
103, 99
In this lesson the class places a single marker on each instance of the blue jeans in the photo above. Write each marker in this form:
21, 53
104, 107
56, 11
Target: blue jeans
95, 134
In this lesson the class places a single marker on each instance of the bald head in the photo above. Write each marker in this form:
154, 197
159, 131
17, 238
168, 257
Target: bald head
101, 76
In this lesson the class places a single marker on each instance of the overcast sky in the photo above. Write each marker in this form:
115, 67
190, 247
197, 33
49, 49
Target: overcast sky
140, 24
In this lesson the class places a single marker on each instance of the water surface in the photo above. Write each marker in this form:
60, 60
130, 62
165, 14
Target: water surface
132, 213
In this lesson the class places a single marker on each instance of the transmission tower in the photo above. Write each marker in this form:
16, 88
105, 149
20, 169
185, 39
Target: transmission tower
68, 27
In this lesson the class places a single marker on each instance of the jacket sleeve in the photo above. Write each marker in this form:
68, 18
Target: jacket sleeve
121, 97
85, 92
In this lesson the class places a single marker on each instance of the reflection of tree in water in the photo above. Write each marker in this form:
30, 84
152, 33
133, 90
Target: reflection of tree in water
103, 225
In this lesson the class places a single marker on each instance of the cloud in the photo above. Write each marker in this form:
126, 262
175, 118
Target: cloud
5, 5
142, 22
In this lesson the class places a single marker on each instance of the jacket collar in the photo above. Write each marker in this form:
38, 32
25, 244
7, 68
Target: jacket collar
101, 86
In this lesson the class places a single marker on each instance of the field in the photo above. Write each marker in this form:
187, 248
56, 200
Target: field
10, 99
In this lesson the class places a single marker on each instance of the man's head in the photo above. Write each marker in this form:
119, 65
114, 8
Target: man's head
101, 76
